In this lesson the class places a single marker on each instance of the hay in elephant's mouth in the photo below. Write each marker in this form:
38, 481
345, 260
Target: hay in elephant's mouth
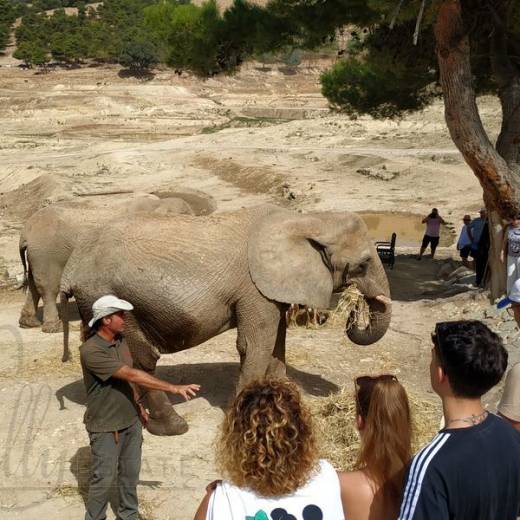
335, 418
352, 309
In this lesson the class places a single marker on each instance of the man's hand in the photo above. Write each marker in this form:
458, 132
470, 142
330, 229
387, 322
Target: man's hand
144, 416
187, 391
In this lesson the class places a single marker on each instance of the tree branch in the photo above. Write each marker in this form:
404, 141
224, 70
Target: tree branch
500, 185
395, 14
507, 76
418, 23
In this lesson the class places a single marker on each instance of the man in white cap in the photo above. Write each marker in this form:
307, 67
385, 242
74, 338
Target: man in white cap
114, 412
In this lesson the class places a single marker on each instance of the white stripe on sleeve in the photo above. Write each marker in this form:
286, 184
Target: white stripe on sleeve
416, 476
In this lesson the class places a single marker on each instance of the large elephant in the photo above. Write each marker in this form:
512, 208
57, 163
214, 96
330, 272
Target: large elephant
50, 235
192, 278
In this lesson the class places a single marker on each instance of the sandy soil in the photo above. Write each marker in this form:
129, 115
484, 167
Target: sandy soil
262, 136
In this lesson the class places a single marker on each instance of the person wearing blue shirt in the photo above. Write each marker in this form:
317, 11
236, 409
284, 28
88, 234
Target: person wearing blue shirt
476, 227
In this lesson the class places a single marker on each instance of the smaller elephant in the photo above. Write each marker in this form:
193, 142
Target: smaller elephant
51, 234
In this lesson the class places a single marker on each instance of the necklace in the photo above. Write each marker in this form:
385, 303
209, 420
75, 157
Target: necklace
472, 419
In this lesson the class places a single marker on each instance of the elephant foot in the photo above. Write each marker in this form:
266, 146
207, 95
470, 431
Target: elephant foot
52, 326
164, 420
29, 322
170, 423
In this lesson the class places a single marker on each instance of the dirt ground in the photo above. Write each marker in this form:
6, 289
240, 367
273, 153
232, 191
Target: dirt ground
265, 135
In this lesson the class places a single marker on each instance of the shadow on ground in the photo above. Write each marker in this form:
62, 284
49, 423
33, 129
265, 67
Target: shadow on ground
218, 381
72, 312
412, 279
143, 75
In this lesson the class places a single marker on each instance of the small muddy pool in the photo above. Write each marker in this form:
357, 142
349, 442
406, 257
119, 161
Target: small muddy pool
408, 226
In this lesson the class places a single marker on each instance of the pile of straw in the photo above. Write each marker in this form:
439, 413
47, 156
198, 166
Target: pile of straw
352, 309
335, 419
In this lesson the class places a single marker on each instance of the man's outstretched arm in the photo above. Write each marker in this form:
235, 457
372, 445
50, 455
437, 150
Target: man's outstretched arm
142, 378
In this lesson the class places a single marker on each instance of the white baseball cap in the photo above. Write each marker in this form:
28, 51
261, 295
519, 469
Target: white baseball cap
512, 297
107, 305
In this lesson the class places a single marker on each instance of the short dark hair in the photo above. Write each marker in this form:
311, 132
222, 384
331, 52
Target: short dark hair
473, 356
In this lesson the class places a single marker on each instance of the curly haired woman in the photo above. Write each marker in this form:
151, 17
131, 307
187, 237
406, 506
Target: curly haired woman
373, 491
268, 453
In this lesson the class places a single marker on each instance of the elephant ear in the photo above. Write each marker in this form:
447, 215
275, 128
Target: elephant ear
286, 261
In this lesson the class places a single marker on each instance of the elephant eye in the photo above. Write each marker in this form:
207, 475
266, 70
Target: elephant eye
361, 268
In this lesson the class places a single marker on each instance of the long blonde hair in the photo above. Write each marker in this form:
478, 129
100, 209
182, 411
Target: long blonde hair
267, 442
387, 434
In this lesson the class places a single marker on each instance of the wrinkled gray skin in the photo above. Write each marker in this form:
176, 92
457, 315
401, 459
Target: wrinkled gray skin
50, 235
192, 278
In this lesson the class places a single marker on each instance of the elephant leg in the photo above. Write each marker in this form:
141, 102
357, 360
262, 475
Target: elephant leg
259, 325
51, 319
277, 368
164, 420
28, 317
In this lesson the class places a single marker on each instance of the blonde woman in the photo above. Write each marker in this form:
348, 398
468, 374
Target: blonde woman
269, 456
373, 491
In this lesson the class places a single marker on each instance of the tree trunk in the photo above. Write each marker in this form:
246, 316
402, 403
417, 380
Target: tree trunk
498, 180
496, 269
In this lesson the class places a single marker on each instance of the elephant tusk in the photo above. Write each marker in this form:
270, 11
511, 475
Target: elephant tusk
384, 299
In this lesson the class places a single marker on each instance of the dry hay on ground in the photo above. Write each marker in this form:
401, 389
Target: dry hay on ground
335, 419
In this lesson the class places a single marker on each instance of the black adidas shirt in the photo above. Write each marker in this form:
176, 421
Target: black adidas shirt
466, 474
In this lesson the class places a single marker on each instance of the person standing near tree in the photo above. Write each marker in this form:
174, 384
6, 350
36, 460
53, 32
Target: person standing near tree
114, 409
481, 255
465, 241
510, 253
432, 234
476, 227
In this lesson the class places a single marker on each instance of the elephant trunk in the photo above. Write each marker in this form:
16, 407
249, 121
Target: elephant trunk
377, 294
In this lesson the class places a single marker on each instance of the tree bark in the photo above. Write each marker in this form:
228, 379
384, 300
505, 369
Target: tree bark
507, 76
497, 174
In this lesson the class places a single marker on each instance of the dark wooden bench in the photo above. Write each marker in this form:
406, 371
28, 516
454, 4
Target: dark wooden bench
386, 251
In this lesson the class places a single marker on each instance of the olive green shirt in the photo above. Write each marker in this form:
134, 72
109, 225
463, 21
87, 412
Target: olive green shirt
110, 401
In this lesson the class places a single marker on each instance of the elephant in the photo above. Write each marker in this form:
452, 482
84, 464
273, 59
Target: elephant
190, 279
50, 235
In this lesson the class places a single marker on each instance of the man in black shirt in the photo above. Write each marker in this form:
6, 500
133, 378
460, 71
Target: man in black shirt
471, 469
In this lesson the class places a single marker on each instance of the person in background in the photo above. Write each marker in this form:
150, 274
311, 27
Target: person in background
481, 256
510, 253
373, 491
465, 241
432, 234
269, 454
471, 469
476, 227
509, 405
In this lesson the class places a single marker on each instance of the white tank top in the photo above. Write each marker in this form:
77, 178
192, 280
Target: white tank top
319, 499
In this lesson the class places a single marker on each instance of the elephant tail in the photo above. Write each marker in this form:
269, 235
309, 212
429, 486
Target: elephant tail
22, 248
64, 306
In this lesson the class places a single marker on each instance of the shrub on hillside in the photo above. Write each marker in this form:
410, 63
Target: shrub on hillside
194, 38
138, 56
